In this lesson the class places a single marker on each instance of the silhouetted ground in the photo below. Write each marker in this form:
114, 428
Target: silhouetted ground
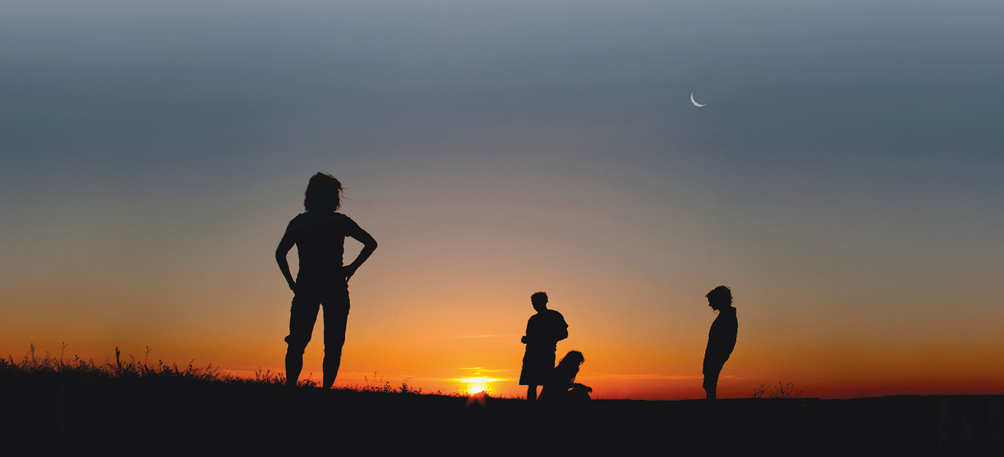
139, 415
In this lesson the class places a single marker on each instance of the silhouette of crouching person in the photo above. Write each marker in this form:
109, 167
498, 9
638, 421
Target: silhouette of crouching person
319, 235
721, 338
561, 388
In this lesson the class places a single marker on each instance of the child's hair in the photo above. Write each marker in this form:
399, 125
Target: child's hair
323, 193
569, 365
539, 298
720, 294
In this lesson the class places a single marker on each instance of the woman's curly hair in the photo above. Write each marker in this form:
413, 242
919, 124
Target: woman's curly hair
324, 193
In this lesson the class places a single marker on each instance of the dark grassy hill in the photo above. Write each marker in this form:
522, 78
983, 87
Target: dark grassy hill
166, 410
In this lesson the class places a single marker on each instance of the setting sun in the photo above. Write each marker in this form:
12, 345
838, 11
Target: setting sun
477, 384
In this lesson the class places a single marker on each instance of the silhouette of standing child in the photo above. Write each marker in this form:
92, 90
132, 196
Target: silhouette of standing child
721, 338
319, 235
561, 387
543, 331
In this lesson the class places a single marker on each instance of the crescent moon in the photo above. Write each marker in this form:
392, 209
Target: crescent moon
695, 101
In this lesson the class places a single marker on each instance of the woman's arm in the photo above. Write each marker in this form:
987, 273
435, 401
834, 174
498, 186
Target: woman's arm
285, 244
369, 245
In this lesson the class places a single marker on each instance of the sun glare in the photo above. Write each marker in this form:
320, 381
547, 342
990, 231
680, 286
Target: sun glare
477, 384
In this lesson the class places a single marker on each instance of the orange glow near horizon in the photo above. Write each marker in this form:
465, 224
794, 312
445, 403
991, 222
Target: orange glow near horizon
836, 374
655, 358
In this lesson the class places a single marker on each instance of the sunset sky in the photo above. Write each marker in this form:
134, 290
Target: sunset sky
844, 179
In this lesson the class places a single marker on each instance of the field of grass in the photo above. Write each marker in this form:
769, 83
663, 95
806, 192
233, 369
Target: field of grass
131, 406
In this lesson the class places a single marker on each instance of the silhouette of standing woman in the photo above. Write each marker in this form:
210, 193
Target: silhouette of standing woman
319, 235
543, 331
721, 338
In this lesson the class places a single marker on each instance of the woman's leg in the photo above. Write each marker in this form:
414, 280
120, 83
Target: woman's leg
302, 316
336, 317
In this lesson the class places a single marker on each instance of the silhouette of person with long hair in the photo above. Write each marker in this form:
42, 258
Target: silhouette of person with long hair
721, 338
543, 331
561, 387
319, 235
